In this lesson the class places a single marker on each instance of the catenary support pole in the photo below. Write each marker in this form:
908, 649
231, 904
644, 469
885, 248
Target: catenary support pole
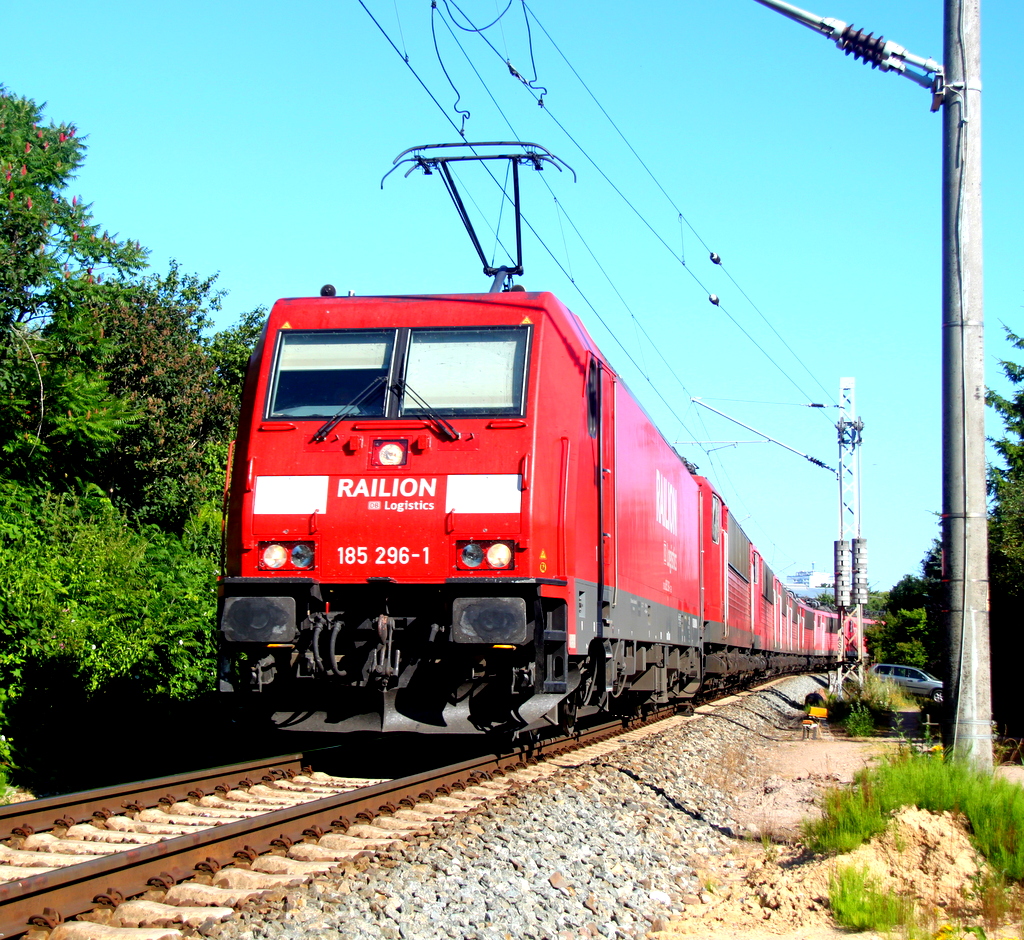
964, 516
956, 88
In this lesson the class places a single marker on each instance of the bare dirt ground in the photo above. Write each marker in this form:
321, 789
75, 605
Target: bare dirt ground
770, 889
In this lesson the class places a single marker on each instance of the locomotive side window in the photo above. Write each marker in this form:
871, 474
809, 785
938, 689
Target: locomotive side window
464, 372
319, 373
716, 520
739, 551
593, 398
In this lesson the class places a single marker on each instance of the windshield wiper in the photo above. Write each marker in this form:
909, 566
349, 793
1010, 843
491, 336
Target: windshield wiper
401, 387
331, 423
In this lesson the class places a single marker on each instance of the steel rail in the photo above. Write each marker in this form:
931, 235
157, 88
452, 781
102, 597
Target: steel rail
56, 810
65, 892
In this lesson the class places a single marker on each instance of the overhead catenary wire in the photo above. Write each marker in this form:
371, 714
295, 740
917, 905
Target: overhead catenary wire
579, 234
582, 150
440, 61
682, 218
401, 32
678, 257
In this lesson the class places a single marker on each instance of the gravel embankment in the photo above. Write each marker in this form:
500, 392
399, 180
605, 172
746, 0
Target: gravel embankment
606, 849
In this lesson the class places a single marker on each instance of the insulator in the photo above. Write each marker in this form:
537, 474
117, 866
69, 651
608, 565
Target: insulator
714, 299
868, 47
715, 258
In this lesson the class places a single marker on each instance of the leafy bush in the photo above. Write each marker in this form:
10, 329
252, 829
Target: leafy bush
860, 723
86, 597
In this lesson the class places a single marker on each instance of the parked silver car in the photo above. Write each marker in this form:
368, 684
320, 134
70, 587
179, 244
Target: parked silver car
912, 678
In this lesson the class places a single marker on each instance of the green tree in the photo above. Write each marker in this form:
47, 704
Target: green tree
58, 273
107, 376
1006, 546
910, 629
170, 461
232, 348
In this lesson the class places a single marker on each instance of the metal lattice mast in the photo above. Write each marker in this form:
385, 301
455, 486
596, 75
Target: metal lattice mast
851, 586
849, 428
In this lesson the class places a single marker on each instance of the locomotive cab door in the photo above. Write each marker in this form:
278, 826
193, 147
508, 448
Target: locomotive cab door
601, 387
608, 534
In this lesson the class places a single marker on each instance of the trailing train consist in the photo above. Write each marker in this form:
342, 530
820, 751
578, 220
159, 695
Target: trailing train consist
448, 514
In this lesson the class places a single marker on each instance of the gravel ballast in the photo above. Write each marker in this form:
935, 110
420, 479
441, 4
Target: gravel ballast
604, 849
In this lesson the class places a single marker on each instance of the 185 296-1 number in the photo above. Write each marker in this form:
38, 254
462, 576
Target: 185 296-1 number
381, 554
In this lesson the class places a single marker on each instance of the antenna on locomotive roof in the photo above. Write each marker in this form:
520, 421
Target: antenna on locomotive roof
532, 154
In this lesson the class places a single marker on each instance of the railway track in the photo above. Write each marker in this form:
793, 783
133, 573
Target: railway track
205, 842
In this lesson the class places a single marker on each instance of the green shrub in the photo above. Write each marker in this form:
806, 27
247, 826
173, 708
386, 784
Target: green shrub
860, 722
884, 695
857, 903
86, 597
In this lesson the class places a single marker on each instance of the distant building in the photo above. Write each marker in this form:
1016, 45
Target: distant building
810, 580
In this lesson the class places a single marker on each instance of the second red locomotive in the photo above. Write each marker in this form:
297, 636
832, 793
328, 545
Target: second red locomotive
448, 514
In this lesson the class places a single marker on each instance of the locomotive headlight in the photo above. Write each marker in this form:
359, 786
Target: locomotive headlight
499, 555
390, 453
472, 555
274, 556
302, 555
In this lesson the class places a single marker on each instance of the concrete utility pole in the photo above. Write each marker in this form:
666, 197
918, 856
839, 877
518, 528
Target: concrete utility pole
964, 507
957, 90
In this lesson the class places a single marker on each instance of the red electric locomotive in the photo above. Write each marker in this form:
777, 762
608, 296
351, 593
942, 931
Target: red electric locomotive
448, 514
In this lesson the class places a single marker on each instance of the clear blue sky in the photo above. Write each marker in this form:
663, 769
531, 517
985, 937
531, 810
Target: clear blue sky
250, 140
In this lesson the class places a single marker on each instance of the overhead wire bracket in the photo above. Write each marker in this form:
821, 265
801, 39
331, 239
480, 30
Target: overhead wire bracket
876, 51
799, 453
530, 155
